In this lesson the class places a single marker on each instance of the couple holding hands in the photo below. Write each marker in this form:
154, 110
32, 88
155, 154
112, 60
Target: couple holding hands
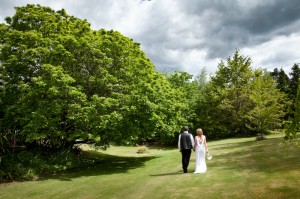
186, 143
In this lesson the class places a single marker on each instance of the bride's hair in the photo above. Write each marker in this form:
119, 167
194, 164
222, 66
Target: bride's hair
199, 131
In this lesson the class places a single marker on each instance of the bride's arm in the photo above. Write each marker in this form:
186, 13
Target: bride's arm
205, 145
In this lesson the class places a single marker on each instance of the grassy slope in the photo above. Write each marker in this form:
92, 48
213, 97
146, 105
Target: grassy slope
241, 168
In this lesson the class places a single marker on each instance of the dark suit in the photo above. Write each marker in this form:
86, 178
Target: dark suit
186, 144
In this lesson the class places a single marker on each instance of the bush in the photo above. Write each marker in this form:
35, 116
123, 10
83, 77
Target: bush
19, 166
26, 164
260, 137
142, 149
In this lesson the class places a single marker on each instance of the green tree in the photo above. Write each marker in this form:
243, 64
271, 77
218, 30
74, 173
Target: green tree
65, 82
282, 80
293, 89
202, 101
51, 111
229, 100
189, 93
292, 126
269, 104
294, 80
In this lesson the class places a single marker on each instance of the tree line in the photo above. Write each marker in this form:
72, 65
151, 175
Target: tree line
238, 100
62, 83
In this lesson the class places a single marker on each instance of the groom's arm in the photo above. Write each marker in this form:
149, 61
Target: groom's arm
192, 140
179, 146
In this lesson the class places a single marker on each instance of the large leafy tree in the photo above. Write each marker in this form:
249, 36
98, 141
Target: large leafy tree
228, 98
197, 90
188, 89
269, 104
64, 81
203, 105
51, 111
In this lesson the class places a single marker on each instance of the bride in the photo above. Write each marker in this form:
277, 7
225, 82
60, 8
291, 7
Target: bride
200, 149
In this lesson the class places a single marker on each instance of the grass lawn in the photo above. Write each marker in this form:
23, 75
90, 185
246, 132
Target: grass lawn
240, 168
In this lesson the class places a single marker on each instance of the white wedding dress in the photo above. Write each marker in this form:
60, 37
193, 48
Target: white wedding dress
200, 155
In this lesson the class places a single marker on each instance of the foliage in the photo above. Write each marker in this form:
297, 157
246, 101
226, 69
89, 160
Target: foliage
29, 164
228, 98
142, 149
269, 104
282, 80
203, 103
240, 101
292, 126
63, 82
188, 93
294, 80
290, 86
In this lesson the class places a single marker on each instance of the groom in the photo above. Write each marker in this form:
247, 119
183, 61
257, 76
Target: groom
185, 144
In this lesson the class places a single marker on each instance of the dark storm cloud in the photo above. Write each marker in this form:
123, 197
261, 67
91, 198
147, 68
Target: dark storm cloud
268, 18
231, 24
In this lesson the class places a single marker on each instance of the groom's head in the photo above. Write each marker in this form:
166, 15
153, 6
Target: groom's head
186, 128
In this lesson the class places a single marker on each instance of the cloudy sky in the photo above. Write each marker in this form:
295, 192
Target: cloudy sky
189, 35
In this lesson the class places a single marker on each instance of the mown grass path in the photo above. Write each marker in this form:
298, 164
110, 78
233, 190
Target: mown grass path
240, 168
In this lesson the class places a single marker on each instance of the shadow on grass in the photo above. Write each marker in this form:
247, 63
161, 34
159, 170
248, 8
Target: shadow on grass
169, 174
267, 156
162, 148
96, 164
